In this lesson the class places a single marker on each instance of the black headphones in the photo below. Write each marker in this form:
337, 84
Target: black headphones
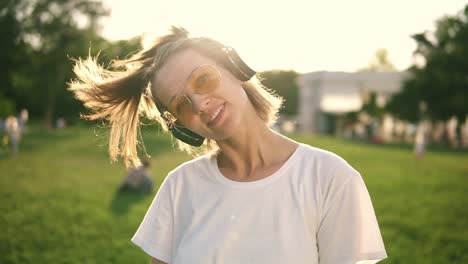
238, 68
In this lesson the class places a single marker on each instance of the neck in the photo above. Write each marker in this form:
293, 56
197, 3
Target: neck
254, 147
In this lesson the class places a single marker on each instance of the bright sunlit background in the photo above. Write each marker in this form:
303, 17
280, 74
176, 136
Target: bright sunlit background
300, 35
344, 68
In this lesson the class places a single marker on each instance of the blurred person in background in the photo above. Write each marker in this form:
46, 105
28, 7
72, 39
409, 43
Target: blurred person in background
60, 123
138, 179
23, 119
252, 195
13, 131
419, 144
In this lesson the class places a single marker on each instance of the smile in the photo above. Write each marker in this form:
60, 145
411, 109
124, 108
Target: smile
216, 116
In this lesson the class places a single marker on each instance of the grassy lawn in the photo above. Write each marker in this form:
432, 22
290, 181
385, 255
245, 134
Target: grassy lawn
59, 204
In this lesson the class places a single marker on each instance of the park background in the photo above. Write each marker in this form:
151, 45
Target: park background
58, 195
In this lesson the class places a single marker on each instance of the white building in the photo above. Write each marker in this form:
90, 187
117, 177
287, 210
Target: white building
322, 93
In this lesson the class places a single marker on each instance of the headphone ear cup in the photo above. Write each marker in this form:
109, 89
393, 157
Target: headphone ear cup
181, 133
237, 66
187, 136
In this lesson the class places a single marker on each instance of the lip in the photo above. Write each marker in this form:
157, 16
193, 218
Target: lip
218, 118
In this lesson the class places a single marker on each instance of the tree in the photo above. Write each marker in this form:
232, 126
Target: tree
284, 84
380, 62
12, 48
51, 31
372, 108
440, 79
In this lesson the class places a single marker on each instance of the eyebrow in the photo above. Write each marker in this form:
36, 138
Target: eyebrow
185, 84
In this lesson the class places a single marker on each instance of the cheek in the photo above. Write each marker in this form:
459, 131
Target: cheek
234, 93
240, 99
191, 123
195, 124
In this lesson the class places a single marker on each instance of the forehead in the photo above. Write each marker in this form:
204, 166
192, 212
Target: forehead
173, 74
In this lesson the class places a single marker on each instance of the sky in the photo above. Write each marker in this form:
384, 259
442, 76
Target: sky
305, 36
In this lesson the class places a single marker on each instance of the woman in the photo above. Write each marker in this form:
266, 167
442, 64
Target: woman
255, 196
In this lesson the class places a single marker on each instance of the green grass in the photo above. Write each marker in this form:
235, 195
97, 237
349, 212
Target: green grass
59, 204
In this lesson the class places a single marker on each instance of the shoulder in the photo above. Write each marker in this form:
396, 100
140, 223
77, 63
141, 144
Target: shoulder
329, 170
190, 170
324, 160
196, 164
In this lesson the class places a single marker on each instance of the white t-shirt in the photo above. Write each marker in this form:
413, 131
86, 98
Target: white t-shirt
314, 209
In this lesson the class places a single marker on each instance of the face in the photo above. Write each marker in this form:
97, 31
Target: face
203, 96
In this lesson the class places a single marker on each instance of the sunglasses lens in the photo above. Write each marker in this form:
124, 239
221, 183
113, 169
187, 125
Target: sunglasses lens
183, 108
205, 79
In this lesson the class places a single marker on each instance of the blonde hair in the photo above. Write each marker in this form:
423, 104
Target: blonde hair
122, 94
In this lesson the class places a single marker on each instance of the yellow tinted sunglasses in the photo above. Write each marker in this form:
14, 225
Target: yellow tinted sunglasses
202, 80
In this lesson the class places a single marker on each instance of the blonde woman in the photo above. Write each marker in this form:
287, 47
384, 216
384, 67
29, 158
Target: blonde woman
255, 196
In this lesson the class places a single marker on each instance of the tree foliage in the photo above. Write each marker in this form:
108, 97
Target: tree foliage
284, 84
440, 78
380, 62
372, 108
42, 36
12, 49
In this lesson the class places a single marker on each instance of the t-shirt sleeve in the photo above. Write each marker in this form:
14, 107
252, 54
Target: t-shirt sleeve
348, 232
155, 233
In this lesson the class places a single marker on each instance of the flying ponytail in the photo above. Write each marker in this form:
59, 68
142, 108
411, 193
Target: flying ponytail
121, 95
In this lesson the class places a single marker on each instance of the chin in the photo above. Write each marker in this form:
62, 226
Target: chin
224, 134
226, 131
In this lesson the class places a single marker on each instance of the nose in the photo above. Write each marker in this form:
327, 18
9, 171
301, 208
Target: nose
200, 102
